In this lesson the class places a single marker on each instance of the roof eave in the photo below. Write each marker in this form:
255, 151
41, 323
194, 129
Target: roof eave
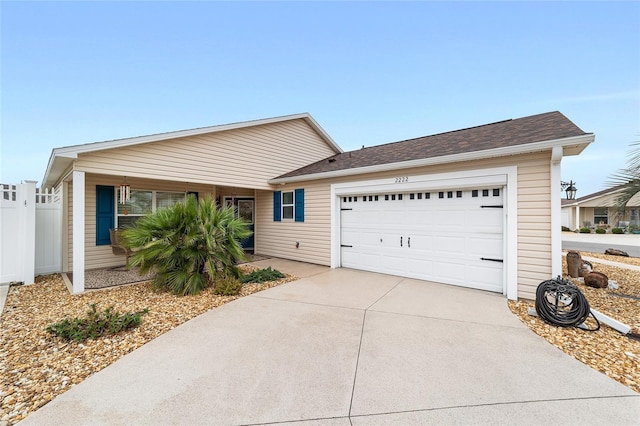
571, 146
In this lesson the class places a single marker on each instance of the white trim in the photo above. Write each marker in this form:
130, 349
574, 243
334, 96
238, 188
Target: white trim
466, 156
503, 176
556, 213
78, 215
71, 152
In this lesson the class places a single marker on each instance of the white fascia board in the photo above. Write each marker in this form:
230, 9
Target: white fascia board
466, 156
73, 151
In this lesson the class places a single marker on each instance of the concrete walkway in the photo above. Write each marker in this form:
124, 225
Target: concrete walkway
344, 347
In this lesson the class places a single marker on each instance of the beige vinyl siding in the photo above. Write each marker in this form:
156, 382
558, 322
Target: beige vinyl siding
245, 157
534, 216
314, 234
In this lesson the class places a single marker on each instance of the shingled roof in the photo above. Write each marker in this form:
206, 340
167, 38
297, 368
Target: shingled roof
503, 134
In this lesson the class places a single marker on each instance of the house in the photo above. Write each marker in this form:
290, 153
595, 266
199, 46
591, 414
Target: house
600, 209
474, 207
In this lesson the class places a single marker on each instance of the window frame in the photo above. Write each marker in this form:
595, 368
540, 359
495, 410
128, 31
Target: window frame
598, 217
154, 206
292, 205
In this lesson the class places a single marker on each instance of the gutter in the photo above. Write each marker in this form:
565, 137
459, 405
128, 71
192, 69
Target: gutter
466, 156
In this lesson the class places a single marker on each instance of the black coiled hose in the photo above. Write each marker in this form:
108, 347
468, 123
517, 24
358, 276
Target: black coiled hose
559, 302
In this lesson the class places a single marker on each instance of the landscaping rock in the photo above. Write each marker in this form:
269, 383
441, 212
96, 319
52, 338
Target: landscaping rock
596, 280
616, 252
574, 263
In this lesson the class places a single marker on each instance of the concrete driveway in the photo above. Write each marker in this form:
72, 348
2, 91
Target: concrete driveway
344, 347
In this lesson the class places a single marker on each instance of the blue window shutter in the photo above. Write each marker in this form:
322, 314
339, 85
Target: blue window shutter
277, 206
105, 205
299, 205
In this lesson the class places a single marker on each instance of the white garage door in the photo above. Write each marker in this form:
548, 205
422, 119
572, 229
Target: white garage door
450, 236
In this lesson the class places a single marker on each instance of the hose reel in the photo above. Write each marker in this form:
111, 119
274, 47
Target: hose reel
559, 302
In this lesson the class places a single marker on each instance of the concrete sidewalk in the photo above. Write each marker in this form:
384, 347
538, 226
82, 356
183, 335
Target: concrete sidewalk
342, 347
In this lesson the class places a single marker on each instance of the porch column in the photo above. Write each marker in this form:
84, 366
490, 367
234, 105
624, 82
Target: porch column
78, 231
578, 226
556, 212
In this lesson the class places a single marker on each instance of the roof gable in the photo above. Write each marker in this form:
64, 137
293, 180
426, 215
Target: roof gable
62, 158
501, 138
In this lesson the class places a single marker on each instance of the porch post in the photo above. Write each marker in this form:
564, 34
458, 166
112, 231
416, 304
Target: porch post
578, 226
78, 215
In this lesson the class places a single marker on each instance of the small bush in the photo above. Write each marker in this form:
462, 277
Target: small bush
262, 275
565, 229
617, 231
585, 230
601, 231
227, 286
96, 324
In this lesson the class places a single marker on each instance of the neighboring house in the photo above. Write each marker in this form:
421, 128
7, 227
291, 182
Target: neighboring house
475, 207
600, 209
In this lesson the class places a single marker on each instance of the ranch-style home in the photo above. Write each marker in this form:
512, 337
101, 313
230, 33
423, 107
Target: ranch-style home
600, 210
476, 207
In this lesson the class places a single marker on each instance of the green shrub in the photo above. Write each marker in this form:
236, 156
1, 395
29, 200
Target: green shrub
565, 229
262, 275
95, 324
188, 245
601, 231
617, 231
585, 230
227, 286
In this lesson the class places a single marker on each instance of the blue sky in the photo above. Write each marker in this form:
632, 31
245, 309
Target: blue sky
368, 72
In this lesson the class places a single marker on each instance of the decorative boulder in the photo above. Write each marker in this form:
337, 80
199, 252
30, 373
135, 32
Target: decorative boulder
585, 268
574, 263
596, 280
616, 252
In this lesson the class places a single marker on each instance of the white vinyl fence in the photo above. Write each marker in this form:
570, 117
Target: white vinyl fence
30, 232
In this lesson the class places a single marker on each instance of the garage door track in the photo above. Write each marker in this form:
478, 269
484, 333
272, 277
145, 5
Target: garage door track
348, 347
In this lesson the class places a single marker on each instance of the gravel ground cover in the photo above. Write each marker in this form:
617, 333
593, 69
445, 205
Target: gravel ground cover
605, 350
635, 261
35, 366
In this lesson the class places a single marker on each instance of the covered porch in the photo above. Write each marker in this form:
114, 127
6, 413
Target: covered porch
95, 203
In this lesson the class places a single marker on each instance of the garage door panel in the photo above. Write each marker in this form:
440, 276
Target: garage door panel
450, 244
443, 239
451, 219
485, 246
454, 272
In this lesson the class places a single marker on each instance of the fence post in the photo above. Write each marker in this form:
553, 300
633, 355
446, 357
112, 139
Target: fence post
26, 198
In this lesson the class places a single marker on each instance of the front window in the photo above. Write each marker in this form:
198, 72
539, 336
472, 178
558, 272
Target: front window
601, 216
287, 205
143, 202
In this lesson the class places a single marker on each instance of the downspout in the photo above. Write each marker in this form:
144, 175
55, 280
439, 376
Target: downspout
556, 229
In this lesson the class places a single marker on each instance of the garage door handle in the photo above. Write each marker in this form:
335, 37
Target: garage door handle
345, 245
492, 260
400, 241
409, 242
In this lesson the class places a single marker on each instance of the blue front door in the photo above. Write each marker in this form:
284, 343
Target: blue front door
245, 209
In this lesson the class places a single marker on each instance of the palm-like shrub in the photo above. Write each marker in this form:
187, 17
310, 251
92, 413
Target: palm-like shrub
188, 245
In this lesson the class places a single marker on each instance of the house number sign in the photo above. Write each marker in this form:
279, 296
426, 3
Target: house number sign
402, 179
